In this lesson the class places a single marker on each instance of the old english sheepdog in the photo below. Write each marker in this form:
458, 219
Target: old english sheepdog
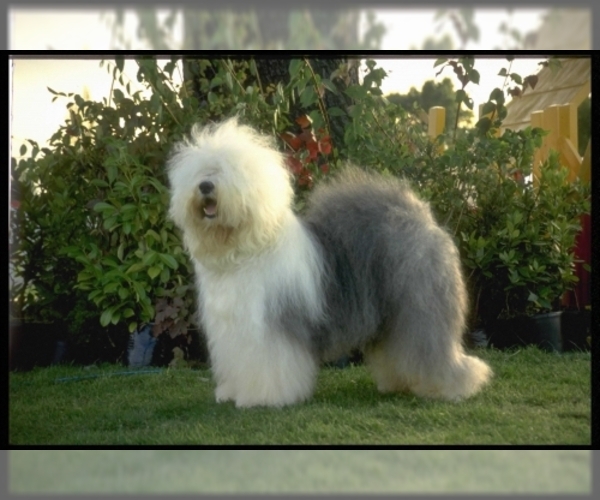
366, 268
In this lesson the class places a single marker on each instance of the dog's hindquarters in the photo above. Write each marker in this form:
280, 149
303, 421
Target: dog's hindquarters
422, 350
396, 287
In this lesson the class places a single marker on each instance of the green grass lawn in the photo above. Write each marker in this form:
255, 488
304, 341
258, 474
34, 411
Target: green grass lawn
300, 471
535, 398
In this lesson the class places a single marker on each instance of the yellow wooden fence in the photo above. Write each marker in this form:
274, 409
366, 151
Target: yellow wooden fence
561, 123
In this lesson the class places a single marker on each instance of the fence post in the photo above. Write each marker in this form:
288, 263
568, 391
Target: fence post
537, 120
437, 121
557, 119
585, 169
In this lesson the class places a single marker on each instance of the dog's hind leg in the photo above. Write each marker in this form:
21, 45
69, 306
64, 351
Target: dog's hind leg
422, 351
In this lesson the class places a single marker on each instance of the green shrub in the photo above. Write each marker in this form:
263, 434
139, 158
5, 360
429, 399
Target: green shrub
92, 237
516, 240
95, 242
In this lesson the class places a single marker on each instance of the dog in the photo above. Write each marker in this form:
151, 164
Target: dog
366, 268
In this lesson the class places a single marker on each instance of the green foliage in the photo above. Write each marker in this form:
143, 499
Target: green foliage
94, 207
516, 240
432, 94
94, 239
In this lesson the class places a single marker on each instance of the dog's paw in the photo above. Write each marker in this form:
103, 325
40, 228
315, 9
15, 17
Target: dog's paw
223, 394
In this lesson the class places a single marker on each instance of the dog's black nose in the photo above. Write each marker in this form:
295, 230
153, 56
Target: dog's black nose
206, 187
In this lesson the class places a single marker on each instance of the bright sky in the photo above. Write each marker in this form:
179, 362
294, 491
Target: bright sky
35, 116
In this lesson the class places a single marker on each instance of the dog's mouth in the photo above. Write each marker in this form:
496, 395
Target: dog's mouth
209, 208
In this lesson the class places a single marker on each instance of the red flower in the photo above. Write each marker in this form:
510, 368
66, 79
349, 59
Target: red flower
295, 165
304, 121
292, 140
325, 145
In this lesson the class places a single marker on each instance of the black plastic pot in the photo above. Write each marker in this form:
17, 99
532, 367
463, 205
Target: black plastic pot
576, 330
543, 330
35, 344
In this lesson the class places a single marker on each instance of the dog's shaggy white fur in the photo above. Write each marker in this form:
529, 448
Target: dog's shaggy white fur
367, 268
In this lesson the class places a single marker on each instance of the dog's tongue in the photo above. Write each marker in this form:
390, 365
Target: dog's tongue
210, 209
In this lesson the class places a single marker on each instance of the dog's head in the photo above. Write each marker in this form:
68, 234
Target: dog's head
228, 178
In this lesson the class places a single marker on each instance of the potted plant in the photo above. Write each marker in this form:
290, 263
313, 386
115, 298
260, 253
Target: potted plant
522, 259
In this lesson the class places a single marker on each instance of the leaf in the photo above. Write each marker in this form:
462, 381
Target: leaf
554, 64
169, 260
473, 76
497, 95
110, 223
139, 290
229, 80
488, 107
102, 206
515, 91
308, 97
149, 258
335, 111
111, 287
439, 61
329, 85
120, 251
294, 67
154, 234
461, 96
99, 183
118, 95
356, 92
515, 77
106, 317
154, 271
253, 69
134, 268
530, 81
